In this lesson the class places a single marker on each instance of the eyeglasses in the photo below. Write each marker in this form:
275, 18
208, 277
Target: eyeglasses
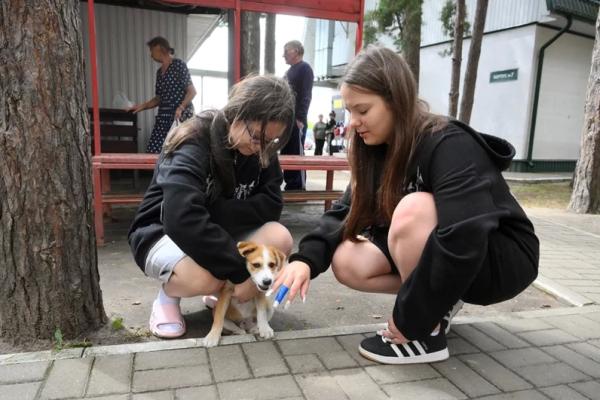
256, 137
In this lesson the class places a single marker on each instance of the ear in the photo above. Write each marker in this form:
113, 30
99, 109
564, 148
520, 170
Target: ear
246, 248
279, 255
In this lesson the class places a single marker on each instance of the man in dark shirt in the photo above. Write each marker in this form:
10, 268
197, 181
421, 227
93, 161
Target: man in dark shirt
300, 76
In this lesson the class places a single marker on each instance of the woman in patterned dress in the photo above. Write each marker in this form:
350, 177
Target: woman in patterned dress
174, 92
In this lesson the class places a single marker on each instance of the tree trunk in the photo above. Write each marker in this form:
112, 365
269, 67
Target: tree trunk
586, 187
270, 44
411, 37
466, 103
49, 274
250, 43
459, 27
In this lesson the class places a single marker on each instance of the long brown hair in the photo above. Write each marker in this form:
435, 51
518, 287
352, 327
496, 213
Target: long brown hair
379, 172
263, 98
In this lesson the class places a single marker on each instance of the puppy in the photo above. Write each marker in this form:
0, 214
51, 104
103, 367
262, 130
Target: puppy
264, 263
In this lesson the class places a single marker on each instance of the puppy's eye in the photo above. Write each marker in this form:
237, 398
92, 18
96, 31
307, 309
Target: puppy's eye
271, 265
256, 265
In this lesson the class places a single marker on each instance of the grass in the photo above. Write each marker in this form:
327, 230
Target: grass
544, 195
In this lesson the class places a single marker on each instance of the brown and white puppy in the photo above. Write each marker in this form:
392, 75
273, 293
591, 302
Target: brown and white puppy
264, 263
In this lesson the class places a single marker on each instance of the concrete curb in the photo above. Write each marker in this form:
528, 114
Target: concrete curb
562, 292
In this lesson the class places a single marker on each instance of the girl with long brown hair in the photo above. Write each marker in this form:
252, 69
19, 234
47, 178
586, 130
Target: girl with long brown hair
427, 215
217, 181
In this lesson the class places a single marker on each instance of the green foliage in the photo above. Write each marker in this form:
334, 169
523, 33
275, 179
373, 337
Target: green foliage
58, 340
447, 16
390, 17
117, 324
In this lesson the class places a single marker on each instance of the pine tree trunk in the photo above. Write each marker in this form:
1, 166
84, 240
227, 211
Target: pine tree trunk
586, 187
411, 37
459, 28
270, 44
466, 103
250, 43
49, 273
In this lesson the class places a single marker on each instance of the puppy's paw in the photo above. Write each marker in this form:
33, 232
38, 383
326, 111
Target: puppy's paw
266, 332
211, 340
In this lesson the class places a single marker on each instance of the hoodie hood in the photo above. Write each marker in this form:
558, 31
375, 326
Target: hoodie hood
499, 150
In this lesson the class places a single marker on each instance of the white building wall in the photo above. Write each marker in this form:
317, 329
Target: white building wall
562, 97
500, 108
124, 63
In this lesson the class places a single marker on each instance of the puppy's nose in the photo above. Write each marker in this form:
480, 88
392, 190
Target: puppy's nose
267, 282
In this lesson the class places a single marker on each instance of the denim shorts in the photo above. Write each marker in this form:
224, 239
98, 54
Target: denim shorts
162, 258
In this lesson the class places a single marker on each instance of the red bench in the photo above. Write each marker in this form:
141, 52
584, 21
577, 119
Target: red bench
104, 162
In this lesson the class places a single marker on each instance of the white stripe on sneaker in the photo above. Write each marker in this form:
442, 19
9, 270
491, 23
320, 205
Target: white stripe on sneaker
419, 347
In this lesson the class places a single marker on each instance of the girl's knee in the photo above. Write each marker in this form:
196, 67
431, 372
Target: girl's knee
277, 235
415, 212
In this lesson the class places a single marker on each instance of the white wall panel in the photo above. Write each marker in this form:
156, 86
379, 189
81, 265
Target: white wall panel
124, 63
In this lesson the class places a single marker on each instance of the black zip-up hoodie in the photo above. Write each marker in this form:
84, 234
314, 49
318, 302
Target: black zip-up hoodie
462, 169
201, 195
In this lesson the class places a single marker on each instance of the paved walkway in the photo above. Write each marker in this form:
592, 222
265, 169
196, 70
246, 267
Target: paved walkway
550, 353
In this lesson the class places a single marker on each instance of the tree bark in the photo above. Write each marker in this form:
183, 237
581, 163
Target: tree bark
459, 27
250, 43
466, 103
411, 37
49, 274
270, 44
585, 197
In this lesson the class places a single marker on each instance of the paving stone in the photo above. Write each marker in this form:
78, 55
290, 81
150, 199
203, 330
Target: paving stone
574, 359
465, 378
477, 338
358, 385
522, 357
457, 345
350, 344
170, 378
67, 378
197, 393
264, 359
586, 350
170, 358
429, 389
308, 346
110, 374
501, 335
164, 395
228, 363
548, 337
110, 397
383, 374
576, 325
522, 395
319, 387
276, 387
21, 391
26, 372
596, 315
337, 360
304, 363
590, 389
550, 374
501, 377
562, 392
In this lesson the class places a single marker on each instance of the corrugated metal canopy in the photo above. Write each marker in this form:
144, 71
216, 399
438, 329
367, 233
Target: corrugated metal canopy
585, 10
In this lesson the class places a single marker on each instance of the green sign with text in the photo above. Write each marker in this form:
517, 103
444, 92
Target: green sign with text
503, 76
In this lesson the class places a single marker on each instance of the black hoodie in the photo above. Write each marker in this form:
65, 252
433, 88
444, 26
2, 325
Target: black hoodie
202, 195
462, 169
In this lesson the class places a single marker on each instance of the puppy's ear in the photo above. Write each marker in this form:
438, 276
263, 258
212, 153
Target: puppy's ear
279, 255
246, 248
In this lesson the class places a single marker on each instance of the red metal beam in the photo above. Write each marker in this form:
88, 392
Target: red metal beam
237, 41
94, 72
340, 10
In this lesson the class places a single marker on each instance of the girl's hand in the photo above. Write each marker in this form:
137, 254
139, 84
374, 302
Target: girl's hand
296, 277
393, 333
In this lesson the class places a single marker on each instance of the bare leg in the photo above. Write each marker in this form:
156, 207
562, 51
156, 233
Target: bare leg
413, 220
362, 266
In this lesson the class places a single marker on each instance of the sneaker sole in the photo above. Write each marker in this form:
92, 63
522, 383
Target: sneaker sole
440, 355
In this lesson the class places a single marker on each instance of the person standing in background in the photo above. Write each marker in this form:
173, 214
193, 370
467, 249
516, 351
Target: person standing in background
319, 133
329, 131
300, 77
174, 92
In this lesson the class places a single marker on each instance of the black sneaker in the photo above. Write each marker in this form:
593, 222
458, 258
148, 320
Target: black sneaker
431, 349
447, 319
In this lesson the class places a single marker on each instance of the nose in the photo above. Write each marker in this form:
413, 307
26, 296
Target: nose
267, 281
354, 121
